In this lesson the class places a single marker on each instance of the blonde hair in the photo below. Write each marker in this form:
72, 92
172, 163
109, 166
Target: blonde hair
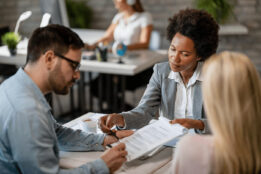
232, 98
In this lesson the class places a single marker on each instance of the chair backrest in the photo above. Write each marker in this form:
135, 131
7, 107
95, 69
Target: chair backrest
155, 40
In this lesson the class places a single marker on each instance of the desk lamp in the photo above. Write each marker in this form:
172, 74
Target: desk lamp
45, 19
21, 18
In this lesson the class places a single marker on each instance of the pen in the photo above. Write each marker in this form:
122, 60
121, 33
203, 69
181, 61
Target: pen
112, 133
109, 146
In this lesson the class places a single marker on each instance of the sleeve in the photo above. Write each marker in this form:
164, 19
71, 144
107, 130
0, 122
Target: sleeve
116, 18
146, 19
148, 106
77, 140
34, 147
206, 129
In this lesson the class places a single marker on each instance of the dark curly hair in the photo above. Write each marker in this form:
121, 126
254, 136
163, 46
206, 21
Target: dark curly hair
197, 25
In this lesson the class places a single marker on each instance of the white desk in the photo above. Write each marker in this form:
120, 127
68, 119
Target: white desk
159, 163
135, 62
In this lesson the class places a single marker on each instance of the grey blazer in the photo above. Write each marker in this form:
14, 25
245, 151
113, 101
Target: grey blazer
160, 95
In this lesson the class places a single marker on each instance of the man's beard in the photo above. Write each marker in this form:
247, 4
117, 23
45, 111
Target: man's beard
57, 81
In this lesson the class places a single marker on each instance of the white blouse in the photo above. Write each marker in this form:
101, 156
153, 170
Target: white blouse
128, 31
184, 95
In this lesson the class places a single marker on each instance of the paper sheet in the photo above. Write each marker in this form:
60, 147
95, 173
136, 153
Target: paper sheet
91, 125
150, 137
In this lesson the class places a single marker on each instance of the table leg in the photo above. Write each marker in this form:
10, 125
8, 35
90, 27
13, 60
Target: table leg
109, 96
115, 93
90, 91
100, 93
81, 94
123, 87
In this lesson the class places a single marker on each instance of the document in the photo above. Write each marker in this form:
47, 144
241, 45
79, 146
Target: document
88, 123
152, 136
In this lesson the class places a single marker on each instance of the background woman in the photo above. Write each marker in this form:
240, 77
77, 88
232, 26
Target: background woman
131, 26
232, 99
175, 86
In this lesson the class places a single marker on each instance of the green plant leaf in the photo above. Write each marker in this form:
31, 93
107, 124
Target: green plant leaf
80, 15
11, 40
219, 9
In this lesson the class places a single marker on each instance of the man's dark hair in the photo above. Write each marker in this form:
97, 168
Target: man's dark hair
52, 37
197, 25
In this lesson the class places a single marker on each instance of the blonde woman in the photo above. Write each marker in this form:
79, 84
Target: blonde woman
232, 99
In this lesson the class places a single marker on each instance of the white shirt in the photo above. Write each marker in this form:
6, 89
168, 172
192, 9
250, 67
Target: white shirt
184, 95
128, 31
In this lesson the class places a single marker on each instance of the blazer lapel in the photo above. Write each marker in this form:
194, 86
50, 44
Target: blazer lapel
170, 89
197, 100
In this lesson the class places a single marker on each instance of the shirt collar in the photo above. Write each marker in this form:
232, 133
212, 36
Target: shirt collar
28, 82
197, 75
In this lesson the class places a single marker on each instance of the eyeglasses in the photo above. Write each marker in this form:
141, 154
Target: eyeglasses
75, 65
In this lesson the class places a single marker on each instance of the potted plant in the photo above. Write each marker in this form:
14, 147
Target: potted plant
11, 39
219, 9
79, 13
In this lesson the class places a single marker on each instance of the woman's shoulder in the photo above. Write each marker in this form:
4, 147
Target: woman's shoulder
117, 17
146, 17
162, 67
194, 146
194, 154
197, 140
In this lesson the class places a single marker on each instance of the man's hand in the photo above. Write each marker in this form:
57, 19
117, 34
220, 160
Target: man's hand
108, 121
189, 123
115, 157
109, 139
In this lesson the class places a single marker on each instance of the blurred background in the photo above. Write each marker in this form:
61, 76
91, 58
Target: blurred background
240, 28
245, 12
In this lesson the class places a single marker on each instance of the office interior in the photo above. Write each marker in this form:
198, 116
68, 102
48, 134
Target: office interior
242, 32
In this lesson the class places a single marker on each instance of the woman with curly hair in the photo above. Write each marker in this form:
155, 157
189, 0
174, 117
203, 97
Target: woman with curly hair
175, 86
232, 98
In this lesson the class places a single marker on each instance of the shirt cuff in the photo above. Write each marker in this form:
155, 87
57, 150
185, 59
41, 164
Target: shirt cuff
100, 167
204, 130
98, 144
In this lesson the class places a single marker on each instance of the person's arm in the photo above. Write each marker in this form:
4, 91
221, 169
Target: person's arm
34, 146
148, 105
189, 123
77, 140
108, 37
144, 39
143, 113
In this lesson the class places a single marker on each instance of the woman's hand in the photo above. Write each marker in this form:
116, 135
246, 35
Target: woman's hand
108, 121
189, 123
